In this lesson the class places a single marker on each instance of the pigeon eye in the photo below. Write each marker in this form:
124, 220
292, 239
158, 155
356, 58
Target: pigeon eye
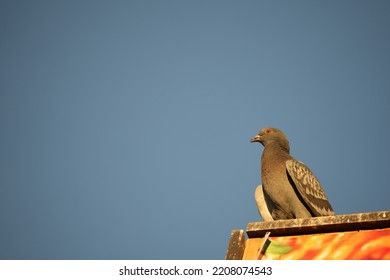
268, 131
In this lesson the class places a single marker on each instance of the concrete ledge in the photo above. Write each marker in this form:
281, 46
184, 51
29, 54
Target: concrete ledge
337, 223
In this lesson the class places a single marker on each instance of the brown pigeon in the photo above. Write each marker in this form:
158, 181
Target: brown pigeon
289, 189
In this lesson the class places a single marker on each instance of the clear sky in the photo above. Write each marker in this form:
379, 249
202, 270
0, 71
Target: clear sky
125, 125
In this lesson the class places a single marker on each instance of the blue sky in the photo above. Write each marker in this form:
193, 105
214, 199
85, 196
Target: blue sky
125, 125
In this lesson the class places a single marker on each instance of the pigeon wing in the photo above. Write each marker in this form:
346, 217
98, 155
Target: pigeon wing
309, 188
263, 204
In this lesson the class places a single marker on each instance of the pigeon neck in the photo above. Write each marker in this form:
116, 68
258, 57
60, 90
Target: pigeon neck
278, 147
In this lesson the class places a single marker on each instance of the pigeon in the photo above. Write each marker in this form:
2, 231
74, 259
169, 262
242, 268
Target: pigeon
289, 189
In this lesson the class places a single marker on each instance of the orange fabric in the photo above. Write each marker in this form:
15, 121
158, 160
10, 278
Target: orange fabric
359, 245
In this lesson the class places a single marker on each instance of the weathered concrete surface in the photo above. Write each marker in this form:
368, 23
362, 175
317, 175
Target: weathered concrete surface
236, 246
337, 223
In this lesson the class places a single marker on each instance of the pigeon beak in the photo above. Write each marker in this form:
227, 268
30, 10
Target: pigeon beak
256, 139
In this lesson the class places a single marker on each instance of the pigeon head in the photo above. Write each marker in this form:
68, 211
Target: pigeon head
271, 136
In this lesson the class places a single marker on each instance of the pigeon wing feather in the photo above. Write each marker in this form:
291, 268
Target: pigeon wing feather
263, 204
309, 188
